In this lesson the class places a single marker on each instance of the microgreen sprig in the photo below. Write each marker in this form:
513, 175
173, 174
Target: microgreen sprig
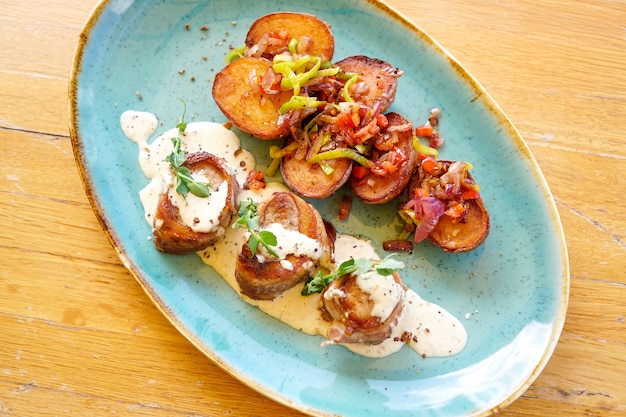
249, 218
185, 183
359, 266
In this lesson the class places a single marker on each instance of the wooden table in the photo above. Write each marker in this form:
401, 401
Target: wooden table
79, 336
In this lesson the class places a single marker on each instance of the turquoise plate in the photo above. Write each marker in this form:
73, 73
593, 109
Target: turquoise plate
511, 293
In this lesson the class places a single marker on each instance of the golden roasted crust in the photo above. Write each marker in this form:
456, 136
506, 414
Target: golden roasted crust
253, 112
309, 180
380, 77
302, 26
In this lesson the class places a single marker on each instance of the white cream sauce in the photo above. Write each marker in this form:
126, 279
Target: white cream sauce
200, 214
435, 332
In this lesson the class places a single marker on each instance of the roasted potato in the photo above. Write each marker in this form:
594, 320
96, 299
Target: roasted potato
378, 189
246, 105
313, 35
457, 235
309, 180
171, 234
377, 83
267, 277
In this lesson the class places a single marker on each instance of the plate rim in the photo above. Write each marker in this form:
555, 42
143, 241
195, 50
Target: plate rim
494, 110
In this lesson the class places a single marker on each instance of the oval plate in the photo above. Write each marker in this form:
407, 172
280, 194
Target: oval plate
511, 293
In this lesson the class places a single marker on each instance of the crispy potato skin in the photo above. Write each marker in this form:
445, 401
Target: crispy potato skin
256, 113
377, 189
380, 77
171, 235
308, 180
463, 237
459, 237
297, 25
268, 279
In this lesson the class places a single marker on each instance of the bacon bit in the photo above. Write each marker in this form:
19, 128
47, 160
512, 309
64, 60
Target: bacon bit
382, 121
254, 181
344, 207
406, 337
398, 245
435, 140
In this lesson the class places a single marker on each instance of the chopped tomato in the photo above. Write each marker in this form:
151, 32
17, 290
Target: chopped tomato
255, 180
429, 164
389, 167
345, 206
359, 171
470, 193
420, 192
423, 131
455, 211
348, 120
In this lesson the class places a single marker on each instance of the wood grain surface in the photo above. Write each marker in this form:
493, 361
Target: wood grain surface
78, 336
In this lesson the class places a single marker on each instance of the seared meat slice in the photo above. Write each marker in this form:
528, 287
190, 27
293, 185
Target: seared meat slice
173, 232
363, 309
302, 245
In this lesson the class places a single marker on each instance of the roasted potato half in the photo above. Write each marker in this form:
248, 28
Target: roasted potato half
313, 35
458, 235
379, 189
244, 104
264, 278
309, 180
462, 237
171, 233
377, 83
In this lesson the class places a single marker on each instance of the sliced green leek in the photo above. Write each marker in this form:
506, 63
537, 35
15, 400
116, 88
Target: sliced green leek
341, 153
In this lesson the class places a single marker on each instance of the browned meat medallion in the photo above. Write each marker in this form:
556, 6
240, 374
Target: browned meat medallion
171, 233
363, 309
302, 242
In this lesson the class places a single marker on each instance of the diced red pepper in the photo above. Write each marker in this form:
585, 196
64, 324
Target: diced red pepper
345, 206
421, 193
359, 171
423, 131
470, 193
455, 211
389, 167
348, 120
429, 164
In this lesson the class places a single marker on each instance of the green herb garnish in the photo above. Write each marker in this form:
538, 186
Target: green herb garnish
185, 183
360, 266
248, 218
